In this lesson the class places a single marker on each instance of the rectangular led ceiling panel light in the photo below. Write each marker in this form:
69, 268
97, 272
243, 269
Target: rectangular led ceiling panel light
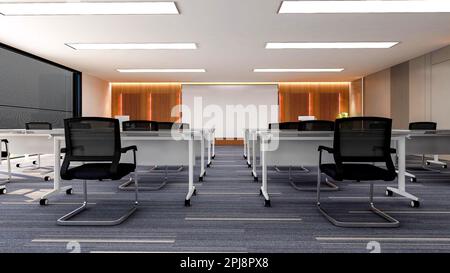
131, 46
414, 6
330, 45
88, 8
162, 70
300, 70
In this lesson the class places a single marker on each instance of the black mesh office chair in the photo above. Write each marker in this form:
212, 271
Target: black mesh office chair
163, 125
97, 141
167, 125
36, 164
425, 126
37, 125
274, 126
358, 143
291, 125
4, 155
314, 126
139, 125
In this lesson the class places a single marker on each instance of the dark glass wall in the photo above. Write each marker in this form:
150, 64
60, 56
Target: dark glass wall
35, 89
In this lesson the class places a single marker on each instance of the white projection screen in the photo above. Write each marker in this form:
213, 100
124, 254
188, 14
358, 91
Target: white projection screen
229, 108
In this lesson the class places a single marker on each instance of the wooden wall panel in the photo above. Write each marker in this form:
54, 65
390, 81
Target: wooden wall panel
322, 100
146, 101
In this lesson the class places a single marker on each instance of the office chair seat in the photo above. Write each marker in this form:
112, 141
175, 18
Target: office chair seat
358, 172
95, 171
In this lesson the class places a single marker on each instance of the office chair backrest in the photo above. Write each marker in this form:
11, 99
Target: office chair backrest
363, 139
172, 126
92, 139
316, 125
139, 125
37, 125
292, 125
162, 125
423, 125
274, 126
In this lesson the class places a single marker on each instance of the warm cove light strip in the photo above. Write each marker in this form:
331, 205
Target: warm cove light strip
415, 6
88, 8
229, 83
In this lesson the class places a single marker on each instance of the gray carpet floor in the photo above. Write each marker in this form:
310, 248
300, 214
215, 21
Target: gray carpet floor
227, 215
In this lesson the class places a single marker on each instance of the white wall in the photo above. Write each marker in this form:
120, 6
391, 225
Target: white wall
230, 108
377, 94
419, 89
96, 97
440, 94
427, 95
430, 88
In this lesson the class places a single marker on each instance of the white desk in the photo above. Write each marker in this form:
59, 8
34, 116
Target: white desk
300, 148
50, 141
33, 142
154, 148
426, 142
26, 142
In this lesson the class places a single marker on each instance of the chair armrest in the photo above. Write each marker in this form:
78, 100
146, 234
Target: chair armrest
126, 149
393, 151
328, 149
132, 148
4, 140
320, 149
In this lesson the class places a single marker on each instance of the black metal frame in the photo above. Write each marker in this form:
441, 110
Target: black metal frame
423, 125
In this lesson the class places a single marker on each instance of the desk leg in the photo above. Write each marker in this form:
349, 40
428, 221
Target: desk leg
245, 145
202, 159
57, 179
191, 189
255, 175
213, 145
249, 146
401, 189
209, 151
263, 189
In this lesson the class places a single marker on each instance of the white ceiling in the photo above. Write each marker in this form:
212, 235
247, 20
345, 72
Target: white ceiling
231, 35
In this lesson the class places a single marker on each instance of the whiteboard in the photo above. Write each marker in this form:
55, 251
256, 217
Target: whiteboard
229, 108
